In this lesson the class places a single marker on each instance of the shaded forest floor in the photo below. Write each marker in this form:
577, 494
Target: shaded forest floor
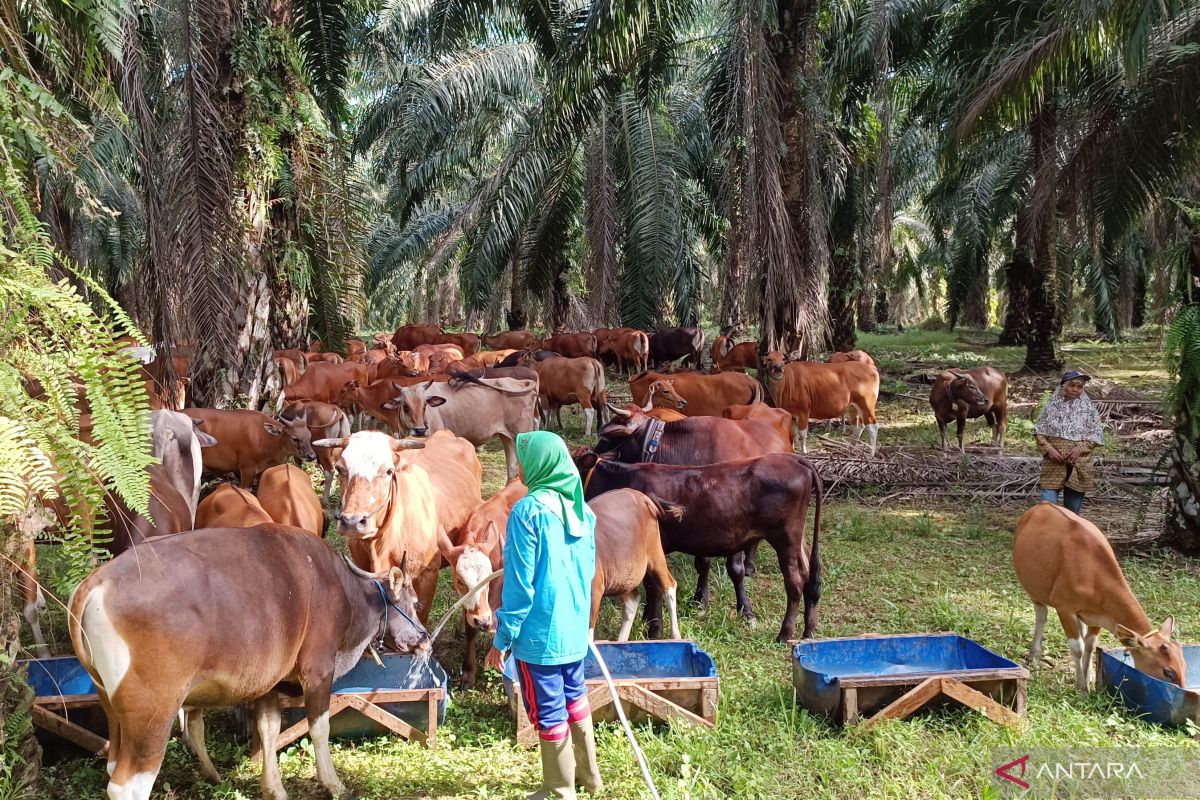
907, 568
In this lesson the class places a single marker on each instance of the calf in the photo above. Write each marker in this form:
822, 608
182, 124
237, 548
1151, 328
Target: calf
629, 551
728, 507
606, 339
221, 617
562, 381
706, 395
671, 344
510, 340
727, 356
632, 351
230, 507
1065, 562
572, 345
286, 494
249, 441
811, 390
478, 552
960, 395
324, 421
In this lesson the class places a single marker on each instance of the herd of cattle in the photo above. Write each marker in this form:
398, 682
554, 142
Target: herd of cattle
701, 462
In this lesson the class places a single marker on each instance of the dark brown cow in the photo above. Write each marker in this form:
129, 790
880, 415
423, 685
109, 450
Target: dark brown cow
726, 508
727, 356
221, 617
629, 552
706, 395
249, 441
632, 350
467, 342
324, 382
672, 344
962, 394
286, 494
812, 390
324, 421
510, 340
230, 507
408, 337
572, 345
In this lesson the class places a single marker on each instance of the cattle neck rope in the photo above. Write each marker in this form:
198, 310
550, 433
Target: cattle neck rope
459, 603
637, 751
388, 603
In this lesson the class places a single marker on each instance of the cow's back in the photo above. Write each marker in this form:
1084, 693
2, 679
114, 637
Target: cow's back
286, 494
826, 390
455, 473
1054, 546
710, 395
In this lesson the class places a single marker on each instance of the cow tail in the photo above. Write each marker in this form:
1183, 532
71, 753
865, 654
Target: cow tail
812, 585
600, 392
663, 508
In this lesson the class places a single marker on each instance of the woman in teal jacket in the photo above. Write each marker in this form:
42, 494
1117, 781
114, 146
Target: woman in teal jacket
549, 562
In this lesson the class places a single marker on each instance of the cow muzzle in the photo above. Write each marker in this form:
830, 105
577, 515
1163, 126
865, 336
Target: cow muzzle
357, 525
422, 431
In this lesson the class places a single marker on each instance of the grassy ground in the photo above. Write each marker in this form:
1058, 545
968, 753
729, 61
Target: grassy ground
887, 571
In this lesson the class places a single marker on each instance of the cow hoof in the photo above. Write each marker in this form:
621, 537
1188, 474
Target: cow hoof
466, 684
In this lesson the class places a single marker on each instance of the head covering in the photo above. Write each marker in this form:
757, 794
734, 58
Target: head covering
1074, 375
1074, 420
553, 480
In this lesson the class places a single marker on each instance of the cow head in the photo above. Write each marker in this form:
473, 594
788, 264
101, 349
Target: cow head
773, 364
438, 362
410, 405
1155, 654
471, 563
403, 632
299, 437
367, 468
964, 390
585, 459
662, 394
624, 435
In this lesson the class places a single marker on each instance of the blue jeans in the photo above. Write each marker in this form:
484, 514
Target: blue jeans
1071, 498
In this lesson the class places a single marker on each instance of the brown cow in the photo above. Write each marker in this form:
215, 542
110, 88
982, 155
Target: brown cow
324, 421
230, 507
377, 400
632, 350
169, 513
510, 340
403, 364
606, 340
408, 337
777, 417
661, 396
286, 494
477, 553
727, 356
563, 381
629, 551
396, 503
355, 348
289, 373
382, 341
324, 382
1066, 563
572, 345
485, 358
850, 355
324, 358
960, 395
467, 342
294, 354
665, 414
706, 395
222, 617
812, 390
249, 441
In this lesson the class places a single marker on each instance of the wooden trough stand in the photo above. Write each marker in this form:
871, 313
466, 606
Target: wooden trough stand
893, 677
663, 680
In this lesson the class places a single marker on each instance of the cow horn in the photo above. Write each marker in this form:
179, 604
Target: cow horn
359, 571
407, 444
619, 412
335, 442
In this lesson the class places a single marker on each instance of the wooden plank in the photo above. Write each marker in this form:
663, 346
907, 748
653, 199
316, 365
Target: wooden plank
52, 701
657, 706
288, 736
1021, 701
389, 721
910, 701
709, 698
431, 721
849, 706
915, 678
980, 702
49, 721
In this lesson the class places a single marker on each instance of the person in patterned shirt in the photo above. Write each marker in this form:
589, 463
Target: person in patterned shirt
1068, 430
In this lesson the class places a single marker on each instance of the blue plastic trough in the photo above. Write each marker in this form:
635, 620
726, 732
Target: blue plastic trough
66, 707
1159, 701
846, 678
664, 680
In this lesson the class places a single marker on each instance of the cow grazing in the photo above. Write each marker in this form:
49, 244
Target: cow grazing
1064, 562
324, 421
572, 345
324, 382
629, 551
727, 356
726, 508
477, 553
510, 340
632, 351
249, 441
850, 355
562, 381
286, 494
965, 394
812, 390
777, 417
230, 507
671, 344
395, 504
221, 617
409, 337
467, 342
706, 395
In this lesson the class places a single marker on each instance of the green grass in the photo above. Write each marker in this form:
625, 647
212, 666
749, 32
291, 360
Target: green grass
921, 568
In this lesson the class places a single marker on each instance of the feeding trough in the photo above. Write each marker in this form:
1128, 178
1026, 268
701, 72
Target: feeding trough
406, 696
65, 705
1159, 701
663, 680
894, 676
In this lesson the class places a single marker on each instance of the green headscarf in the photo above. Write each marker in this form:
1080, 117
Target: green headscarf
552, 478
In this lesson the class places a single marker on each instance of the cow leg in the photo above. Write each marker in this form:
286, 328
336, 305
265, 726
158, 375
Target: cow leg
328, 473
629, 602
943, 433
114, 732
700, 597
960, 428
1089, 647
266, 723
736, 567
1040, 612
750, 560
510, 456
804, 438
316, 708
1001, 426
873, 435
143, 743
425, 585
652, 612
195, 734
467, 679
673, 608
1074, 629
793, 582
589, 415
35, 604
246, 478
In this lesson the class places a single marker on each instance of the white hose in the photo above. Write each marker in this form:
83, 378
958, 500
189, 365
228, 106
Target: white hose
637, 751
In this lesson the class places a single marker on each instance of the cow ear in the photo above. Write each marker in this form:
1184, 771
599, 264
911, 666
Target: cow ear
272, 429
204, 439
391, 405
335, 442
1167, 628
1129, 639
490, 539
435, 401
